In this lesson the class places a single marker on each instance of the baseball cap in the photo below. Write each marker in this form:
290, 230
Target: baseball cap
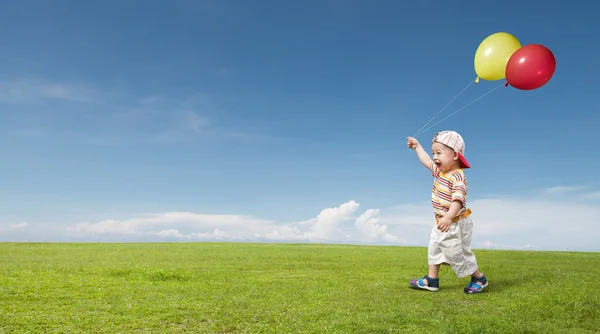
453, 140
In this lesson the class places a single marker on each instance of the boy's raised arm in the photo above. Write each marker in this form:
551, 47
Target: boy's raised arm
423, 156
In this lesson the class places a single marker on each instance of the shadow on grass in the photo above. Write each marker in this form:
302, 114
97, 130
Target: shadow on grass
501, 284
495, 285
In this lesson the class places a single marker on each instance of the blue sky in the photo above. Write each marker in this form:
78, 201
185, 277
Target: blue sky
229, 120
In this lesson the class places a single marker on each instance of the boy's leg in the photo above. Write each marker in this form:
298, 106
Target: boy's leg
434, 258
466, 233
477, 274
478, 279
434, 270
430, 281
456, 246
450, 246
477, 284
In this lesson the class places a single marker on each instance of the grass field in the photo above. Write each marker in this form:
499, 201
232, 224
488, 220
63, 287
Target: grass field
281, 288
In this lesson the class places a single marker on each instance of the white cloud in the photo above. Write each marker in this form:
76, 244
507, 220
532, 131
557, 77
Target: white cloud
368, 223
331, 225
326, 225
173, 233
591, 195
8, 227
559, 190
572, 193
112, 117
534, 223
35, 90
154, 224
166, 127
194, 101
226, 71
514, 222
19, 226
14, 231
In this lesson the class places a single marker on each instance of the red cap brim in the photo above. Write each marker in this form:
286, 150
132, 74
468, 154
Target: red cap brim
463, 161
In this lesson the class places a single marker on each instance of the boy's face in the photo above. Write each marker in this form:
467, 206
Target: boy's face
444, 157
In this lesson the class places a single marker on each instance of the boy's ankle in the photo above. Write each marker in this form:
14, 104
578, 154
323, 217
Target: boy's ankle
481, 278
432, 281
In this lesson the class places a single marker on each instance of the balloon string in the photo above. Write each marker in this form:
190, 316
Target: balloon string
461, 108
447, 104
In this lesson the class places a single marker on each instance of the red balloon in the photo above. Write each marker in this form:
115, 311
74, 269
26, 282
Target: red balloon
530, 67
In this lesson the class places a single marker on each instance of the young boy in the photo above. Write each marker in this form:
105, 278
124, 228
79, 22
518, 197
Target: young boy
450, 238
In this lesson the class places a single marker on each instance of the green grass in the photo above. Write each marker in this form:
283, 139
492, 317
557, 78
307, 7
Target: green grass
279, 288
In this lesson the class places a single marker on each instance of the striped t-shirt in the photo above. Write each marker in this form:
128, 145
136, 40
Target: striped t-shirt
448, 188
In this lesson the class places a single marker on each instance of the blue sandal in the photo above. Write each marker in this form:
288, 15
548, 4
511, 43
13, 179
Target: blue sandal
476, 285
433, 284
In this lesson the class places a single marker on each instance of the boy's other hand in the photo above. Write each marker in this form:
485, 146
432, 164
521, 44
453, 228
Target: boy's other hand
412, 143
444, 224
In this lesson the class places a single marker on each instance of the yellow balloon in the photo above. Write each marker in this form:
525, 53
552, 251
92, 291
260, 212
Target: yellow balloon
493, 54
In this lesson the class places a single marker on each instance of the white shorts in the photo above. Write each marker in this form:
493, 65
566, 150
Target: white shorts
453, 248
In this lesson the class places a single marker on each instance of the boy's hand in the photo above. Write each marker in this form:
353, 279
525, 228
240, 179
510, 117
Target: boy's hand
444, 224
412, 143
423, 156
